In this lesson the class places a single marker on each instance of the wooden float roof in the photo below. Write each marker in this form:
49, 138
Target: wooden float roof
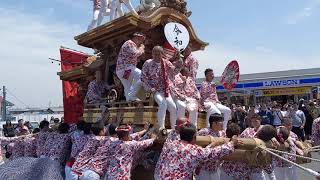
130, 23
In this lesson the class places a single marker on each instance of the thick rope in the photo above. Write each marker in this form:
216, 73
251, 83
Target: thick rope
315, 147
22, 136
310, 171
313, 150
303, 157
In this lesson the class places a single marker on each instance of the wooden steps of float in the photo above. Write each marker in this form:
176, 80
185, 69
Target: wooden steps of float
135, 114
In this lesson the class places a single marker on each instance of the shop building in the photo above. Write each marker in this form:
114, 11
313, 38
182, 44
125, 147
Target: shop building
281, 86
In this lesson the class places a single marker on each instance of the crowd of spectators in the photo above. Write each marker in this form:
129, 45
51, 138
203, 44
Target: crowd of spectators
302, 113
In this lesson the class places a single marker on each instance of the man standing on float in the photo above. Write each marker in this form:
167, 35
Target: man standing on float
126, 69
101, 8
209, 99
156, 73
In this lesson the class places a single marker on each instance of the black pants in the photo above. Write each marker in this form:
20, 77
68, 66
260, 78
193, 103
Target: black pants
299, 132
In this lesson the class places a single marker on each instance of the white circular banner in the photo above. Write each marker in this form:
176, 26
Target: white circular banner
177, 35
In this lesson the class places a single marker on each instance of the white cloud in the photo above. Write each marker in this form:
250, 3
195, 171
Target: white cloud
303, 13
263, 49
27, 41
217, 57
80, 5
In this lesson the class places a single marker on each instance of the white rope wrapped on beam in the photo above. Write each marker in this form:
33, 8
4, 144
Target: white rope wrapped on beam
310, 171
315, 147
303, 157
314, 150
22, 136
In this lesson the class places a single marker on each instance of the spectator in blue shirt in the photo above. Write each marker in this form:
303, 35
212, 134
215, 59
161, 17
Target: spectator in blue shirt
266, 115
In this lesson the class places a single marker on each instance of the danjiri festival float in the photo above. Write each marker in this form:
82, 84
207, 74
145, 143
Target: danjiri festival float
133, 110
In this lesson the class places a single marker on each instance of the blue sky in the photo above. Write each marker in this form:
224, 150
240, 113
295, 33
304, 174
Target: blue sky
267, 35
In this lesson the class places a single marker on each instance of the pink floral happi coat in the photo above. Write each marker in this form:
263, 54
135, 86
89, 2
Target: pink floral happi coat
152, 75
57, 146
210, 165
41, 141
17, 148
128, 55
30, 148
208, 94
88, 152
96, 90
192, 64
122, 153
179, 159
172, 136
315, 137
4, 141
100, 160
183, 89
78, 144
238, 170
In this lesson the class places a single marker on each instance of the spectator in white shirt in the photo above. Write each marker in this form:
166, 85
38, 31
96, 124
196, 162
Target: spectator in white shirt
277, 121
298, 121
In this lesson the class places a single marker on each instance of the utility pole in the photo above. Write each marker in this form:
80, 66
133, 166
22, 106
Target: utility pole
4, 104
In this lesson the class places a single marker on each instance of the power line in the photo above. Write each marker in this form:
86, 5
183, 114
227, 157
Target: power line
11, 93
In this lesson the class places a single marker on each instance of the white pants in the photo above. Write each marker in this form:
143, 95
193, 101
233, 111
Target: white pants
165, 103
181, 110
258, 176
271, 176
224, 176
131, 85
89, 175
206, 175
218, 108
98, 14
72, 176
286, 172
68, 172
116, 8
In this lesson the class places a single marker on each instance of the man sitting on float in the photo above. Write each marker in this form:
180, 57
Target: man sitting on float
186, 95
101, 8
209, 99
126, 69
97, 89
155, 79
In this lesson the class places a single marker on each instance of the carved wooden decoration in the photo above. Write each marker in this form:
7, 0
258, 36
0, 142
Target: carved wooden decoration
107, 40
179, 5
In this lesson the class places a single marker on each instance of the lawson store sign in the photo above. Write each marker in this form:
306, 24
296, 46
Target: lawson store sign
281, 83
276, 83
